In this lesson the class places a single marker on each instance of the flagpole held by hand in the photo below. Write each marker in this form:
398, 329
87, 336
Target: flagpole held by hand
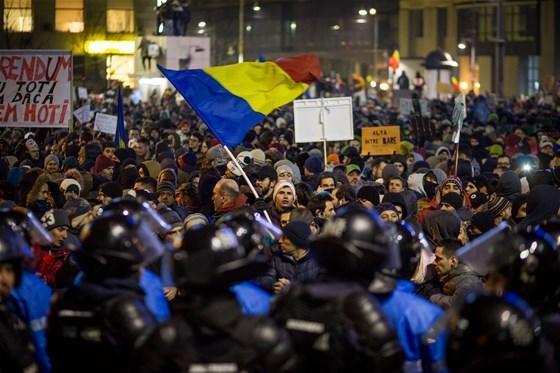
247, 180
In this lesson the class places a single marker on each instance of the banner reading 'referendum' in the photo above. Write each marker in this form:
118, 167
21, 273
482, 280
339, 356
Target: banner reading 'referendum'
35, 88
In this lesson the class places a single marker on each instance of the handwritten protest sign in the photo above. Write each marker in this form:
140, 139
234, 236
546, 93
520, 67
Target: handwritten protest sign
381, 140
105, 123
35, 88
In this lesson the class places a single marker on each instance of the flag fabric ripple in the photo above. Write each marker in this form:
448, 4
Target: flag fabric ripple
231, 99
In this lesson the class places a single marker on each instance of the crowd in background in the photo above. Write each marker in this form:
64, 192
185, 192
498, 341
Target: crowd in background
508, 172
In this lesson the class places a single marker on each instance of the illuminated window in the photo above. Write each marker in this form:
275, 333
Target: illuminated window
120, 20
18, 16
70, 15
121, 68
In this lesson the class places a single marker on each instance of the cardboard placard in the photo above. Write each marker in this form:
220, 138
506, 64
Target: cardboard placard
105, 123
381, 140
82, 93
35, 88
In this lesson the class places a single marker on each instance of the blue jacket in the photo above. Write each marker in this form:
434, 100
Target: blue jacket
412, 316
155, 298
33, 299
254, 301
297, 271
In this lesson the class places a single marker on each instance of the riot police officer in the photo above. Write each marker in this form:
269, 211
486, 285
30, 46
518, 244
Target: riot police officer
210, 331
335, 325
410, 314
16, 347
32, 297
101, 323
488, 334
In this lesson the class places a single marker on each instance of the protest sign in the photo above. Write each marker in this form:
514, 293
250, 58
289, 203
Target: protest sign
35, 88
105, 123
334, 114
381, 140
83, 114
82, 93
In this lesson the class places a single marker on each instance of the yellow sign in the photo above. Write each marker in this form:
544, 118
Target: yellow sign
381, 140
109, 47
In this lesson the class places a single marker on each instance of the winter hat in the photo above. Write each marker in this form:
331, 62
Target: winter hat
111, 189
169, 216
333, 158
55, 218
483, 221
389, 171
453, 180
31, 145
166, 186
442, 149
453, 199
267, 172
70, 162
315, 153
51, 158
420, 164
76, 207
281, 185
496, 150
168, 163
233, 168
477, 199
69, 181
298, 233
385, 207
216, 155
258, 156
201, 220
314, 165
496, 206
370, 193
102, 163
284, 169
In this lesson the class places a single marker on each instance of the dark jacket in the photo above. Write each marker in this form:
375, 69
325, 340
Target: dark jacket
456, 284
282, 266
509, 186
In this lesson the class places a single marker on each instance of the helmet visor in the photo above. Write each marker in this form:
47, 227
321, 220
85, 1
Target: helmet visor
148, 243
36, 231
153, 219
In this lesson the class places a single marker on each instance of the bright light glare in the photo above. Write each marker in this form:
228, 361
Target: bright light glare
464, 85
248, 28
384, 86
256, 7
361, 20
335, 27
293, 26
202, 24
373, 84
362, 12
372, 11
462, 46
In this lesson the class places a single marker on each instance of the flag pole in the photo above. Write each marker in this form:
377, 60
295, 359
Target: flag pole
247, 180
456, 156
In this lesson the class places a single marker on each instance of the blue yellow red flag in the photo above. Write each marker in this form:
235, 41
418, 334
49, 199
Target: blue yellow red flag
232, 99
121, 138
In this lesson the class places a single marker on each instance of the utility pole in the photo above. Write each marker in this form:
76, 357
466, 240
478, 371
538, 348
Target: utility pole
241, 41
500, 49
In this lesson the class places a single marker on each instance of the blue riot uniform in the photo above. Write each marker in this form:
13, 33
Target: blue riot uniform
155, 298
32, 299
254, 301
412, 316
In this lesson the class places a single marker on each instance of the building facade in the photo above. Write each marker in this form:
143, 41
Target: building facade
532, 40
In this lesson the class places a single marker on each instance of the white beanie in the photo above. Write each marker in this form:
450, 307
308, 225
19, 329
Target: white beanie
67, 182
282, 184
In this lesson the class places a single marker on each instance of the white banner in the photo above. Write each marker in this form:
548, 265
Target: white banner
35, 88
83, 114
327, 119
105, 123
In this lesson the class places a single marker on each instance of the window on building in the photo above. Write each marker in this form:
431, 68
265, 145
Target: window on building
441, 26
18, 16
487, 24
533, 75
69, 15
417, 23
520, 22
120, 16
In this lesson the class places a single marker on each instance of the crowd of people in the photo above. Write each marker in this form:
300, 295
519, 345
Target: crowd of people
159, 256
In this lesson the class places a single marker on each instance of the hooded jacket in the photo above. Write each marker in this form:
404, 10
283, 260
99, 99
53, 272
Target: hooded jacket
509, 186
543, 202
440, 225
460, 281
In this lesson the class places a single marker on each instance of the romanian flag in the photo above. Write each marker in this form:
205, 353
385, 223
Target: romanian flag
232, 99
121, 138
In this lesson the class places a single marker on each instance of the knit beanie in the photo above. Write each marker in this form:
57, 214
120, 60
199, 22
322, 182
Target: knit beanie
498, 205
453, 199
70, 162
314, 165
370, 193
281, 185
101, 163
298, 233
478, 199
111, 189
166, 186
51, 158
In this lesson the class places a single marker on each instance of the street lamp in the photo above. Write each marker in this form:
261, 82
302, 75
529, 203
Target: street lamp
363, 12
256, 7
463, 46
